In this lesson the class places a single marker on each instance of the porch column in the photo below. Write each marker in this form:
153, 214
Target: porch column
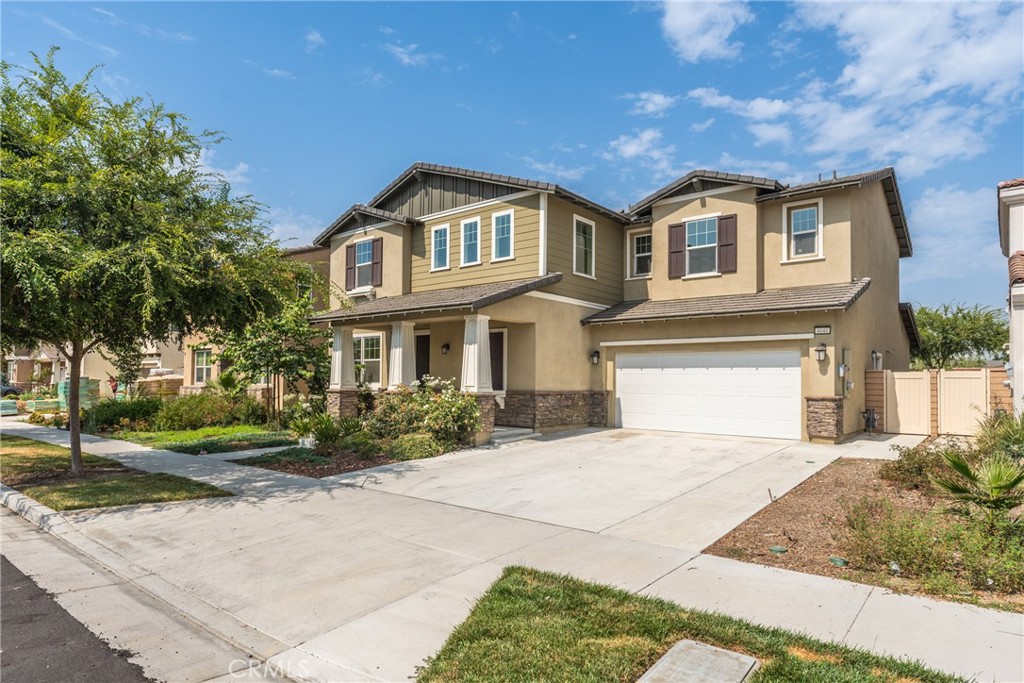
343, 368
402, 358
476, 354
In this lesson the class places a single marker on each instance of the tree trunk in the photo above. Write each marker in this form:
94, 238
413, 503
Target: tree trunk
74, 418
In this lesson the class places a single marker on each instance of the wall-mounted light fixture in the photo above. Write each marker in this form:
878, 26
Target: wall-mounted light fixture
445, 348
595, 357
819, 351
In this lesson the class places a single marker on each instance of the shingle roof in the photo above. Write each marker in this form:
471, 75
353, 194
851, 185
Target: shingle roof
702, 174
789, 300
1016, 264
887, 176
511, 181
910, 325
371, 211
470, 298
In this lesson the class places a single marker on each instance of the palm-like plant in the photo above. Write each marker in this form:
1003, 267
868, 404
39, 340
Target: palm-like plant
996, 485
228, 383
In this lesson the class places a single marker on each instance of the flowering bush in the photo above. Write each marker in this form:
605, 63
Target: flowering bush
436, 407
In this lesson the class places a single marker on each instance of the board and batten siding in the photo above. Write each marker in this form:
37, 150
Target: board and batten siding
432, 193
526, 247
606, 287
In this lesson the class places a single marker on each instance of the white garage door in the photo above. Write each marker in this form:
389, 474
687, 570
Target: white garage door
735, 393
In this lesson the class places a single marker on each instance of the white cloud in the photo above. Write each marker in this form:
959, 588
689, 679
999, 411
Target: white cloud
237, 175
756, 167
293, 228
71, 35
701, 126
556, 171
647, 148
650, 103
410, 54
314, 40
759, 108
954, 235
767, 133
387, 30
702, 30
371, 78
143, 29
273, 72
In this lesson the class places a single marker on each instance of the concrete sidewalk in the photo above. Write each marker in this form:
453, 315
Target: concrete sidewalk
345, 580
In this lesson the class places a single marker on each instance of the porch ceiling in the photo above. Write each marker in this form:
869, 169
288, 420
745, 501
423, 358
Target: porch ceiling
467, 299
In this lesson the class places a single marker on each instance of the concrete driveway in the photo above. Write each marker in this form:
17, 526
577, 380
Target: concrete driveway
359, 578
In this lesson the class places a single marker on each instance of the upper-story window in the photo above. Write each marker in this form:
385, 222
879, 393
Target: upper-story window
641, 250
502, 236
803, 234
470, 241
439, 248
583, 247
364, 263
702, 246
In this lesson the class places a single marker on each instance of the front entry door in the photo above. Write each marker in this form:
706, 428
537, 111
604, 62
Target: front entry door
422, 355
497, 340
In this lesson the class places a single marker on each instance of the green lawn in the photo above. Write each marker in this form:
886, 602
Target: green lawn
296, 454
533, 626
42, 472
212, 439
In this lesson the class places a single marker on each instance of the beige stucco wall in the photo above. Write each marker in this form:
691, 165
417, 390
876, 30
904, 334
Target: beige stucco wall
606, 287
394, 263
744, 280
833, 267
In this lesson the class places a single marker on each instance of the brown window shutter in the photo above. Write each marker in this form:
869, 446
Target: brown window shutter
350, 267
377, 270
677, 251
727, 244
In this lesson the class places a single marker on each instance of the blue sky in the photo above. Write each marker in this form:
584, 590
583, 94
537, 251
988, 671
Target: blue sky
325, 103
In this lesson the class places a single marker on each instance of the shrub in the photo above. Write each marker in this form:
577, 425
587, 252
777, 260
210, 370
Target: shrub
209, 410
397, 412
324, 428
302, 425
915, 467
350, 425
436, 407
360, 443
414, 447
995, 486
1002, 433
110, 413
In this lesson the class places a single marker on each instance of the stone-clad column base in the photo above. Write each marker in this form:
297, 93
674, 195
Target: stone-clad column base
343, 402
825, 419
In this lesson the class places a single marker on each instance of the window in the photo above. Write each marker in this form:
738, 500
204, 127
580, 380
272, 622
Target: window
641, 255
702, 246
439, 248
364, 263
803, 231
366, 353
501, 236
203, 362
470, 242
12, 371
583, 247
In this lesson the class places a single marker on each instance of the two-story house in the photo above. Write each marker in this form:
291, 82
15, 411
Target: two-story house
1011, 240
720, 304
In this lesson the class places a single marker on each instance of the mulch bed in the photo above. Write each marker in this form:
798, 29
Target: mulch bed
810, 522
340, 463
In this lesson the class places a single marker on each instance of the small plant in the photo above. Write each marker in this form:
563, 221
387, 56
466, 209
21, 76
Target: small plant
301, 425
324, 428
1002, 433
995, 486
414, 447
350, 425
360, 443
914, 467
228, 383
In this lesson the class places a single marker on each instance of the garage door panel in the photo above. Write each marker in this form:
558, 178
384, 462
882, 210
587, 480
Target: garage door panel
754, 394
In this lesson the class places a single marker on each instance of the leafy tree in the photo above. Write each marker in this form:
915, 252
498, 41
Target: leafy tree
957, 335
282, 344
112, 233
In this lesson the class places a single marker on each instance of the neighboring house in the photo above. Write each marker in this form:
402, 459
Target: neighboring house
721, 304
1011, 239
200, 361
49, 366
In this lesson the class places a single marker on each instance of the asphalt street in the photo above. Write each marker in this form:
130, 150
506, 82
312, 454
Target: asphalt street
42, 643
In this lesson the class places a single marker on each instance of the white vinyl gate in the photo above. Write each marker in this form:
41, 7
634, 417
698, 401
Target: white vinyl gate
733, 393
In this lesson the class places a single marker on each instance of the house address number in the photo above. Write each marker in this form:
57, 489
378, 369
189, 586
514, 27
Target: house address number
823, 329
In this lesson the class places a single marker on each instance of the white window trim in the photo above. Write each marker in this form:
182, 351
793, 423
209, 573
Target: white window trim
714, 246
196, 366
448, 243
593, 244
511, 236
380, 346
504, 359
626, 258
631, 255
462, 242
819, 242
355, 266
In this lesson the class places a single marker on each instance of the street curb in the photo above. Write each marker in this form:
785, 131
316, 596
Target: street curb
218, 623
